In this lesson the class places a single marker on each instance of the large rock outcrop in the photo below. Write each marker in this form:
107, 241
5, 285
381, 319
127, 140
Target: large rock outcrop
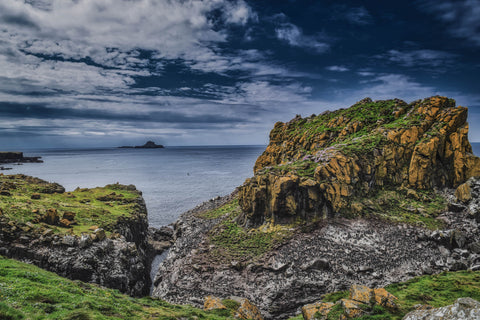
396, 181
91, 244
317, 166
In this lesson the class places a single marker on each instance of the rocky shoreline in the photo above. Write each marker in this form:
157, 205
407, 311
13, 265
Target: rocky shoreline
331, 256
370, 195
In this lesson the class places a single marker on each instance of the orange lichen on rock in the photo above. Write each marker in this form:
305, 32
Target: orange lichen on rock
309, 311
315, 166
248, 311
385, 299
212, 303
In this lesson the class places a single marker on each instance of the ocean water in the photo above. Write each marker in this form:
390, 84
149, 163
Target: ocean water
173, 180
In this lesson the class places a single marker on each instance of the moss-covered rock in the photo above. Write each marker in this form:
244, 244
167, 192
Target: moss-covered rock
317, 166
54, 231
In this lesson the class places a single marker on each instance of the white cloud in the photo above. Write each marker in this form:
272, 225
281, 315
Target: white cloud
110, 31
462, 17
337, 68
295, 37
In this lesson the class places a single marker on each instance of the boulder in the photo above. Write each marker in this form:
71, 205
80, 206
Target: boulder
310, 311
462, 309
385, 299
351, 308
361, 294
212, 303
65, 223
100, 234
69, 215
35, 196
247, 310
50, 217
464, 192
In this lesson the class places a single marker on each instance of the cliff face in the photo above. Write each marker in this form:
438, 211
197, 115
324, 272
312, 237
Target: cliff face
321, 165
94, 235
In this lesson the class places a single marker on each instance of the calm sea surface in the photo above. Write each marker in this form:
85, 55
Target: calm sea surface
173, 180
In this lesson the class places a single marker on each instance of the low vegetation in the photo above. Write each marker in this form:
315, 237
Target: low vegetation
25, 199
419, 207
233, 242
28, 292
436, 290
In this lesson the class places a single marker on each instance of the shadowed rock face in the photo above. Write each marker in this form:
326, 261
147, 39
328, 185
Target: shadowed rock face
315, 167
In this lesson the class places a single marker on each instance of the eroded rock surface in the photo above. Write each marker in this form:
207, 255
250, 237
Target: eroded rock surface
369, 195
462, 309
318, 166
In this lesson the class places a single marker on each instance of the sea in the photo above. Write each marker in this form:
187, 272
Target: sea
172, 180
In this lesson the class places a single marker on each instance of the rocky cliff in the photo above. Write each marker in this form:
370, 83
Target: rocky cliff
391, 178
94, 235
321, 165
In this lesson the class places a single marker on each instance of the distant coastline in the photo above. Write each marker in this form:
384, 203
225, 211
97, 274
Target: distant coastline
16, 157
147, 145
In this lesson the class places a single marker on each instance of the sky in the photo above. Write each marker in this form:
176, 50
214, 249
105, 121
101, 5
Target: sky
100, 73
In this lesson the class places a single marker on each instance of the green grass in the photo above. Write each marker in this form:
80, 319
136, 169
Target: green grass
394, 205
227, 208
436, 290
234, 242
93, 207
28, 292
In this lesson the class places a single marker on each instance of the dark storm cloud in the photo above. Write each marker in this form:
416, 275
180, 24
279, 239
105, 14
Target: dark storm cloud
37, 111
461, 17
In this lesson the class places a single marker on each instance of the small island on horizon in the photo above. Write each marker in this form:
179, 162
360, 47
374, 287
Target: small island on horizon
147, 145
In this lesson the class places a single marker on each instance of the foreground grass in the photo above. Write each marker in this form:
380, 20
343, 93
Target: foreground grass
28, 292
92, 207
437, 291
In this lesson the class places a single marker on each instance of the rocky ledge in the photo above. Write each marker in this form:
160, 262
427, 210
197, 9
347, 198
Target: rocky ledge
371, 195
17, 157
94, 235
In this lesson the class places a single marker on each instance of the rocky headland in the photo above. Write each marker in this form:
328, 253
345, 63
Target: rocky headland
96, 235
370, 195
147, 145
16, 157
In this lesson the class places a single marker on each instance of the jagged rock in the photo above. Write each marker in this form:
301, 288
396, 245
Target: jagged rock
100, 234
385, 299
310, 311
51, 217
361, 294
212, 303
247, 310
307, 174
464, 192
351, 308
65, 223
462, 309
69, 215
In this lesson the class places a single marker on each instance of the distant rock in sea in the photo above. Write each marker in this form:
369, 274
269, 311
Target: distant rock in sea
148, 145
16, 157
